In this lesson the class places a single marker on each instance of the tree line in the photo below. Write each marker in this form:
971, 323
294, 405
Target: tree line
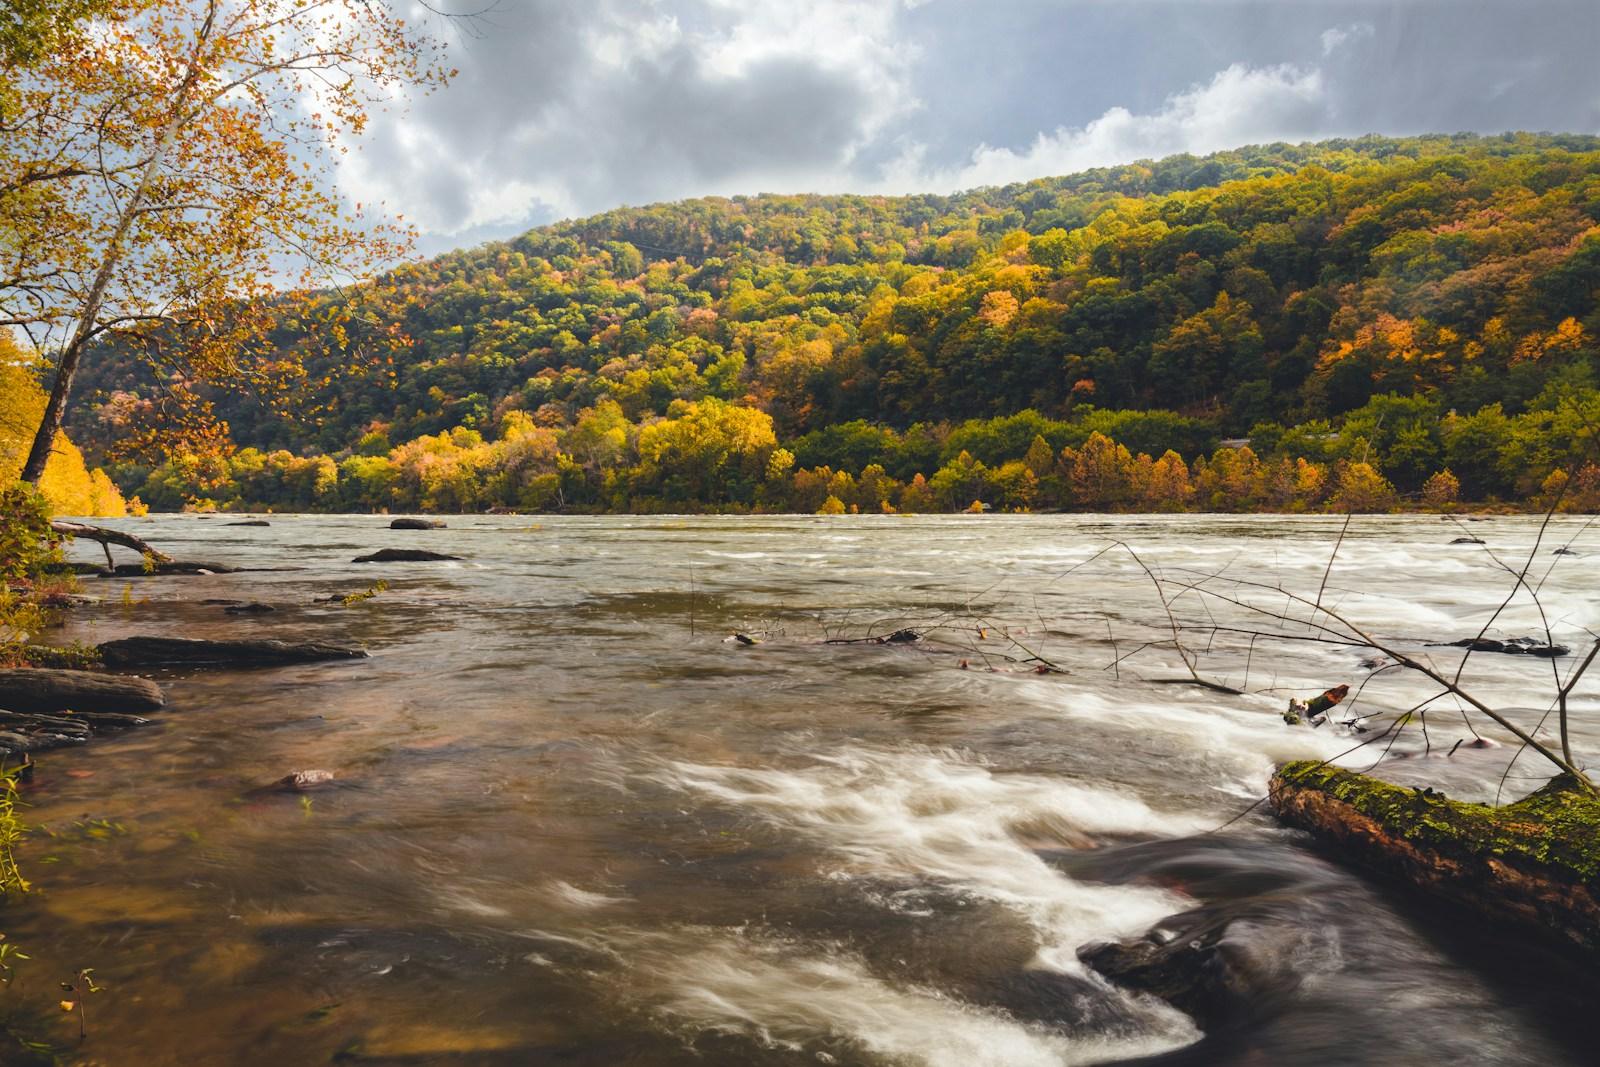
1433, 298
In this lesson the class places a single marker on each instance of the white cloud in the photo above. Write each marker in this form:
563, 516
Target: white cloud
1240, 105
1336, 37
577, 108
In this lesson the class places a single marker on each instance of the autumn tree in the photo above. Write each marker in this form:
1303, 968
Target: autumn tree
165, 177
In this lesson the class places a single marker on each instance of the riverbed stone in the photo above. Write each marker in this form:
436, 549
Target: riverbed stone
193, 652
42, 690
402, 555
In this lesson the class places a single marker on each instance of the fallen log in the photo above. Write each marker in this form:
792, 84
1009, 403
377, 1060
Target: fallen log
107, 538
1534, 863
193, 652
38, 690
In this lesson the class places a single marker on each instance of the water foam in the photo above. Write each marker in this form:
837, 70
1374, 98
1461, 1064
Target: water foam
941, 818
797, 1000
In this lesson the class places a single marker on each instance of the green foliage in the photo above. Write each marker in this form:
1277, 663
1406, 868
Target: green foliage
27, 544
1410, 304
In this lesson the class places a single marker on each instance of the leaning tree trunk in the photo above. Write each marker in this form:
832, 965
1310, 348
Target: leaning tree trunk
67, 367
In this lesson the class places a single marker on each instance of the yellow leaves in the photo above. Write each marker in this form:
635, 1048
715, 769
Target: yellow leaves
1568, 336
998, 308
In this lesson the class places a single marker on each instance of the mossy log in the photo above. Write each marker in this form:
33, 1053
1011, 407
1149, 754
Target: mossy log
1535, 863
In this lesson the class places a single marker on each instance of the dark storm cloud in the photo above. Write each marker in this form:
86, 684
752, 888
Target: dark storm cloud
566, 107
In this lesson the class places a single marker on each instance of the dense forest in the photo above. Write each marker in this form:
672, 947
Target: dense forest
1385, 320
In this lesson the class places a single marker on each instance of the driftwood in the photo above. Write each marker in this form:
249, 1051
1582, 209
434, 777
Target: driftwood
107, 538
187, 652
44, 691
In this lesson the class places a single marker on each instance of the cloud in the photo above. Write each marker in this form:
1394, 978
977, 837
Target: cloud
569, 108
1337, 37
1239, 105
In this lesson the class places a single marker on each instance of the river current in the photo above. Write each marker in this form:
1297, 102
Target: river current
575, 821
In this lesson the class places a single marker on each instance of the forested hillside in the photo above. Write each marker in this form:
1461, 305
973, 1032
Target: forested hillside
1382, 318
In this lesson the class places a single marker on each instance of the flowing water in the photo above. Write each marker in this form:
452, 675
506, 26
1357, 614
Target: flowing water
575, 823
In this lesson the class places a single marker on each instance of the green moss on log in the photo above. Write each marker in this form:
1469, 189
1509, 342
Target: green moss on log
1557, 827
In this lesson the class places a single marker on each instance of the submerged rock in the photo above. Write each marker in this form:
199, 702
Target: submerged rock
304, 781
1534, 863
249, 522
402, 555
190, 652
254, 607
417, 524
1467, 541
40, 690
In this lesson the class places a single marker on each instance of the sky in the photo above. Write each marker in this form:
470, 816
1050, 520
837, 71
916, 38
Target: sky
564, 108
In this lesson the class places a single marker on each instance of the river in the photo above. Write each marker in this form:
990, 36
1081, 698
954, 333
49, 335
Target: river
574, 822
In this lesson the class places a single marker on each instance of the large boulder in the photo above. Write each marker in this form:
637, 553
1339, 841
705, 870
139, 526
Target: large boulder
402, 555
190, 652
417, 524
41, 691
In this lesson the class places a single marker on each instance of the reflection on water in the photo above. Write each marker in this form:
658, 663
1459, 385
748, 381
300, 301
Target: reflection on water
573, 823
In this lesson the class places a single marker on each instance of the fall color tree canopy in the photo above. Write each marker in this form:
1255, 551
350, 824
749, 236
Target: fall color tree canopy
163, 185
1384, 320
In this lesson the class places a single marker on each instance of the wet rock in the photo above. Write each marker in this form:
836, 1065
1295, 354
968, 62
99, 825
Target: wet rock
254, 607
39, 690
1193, 962
1467, 541
417, 524
249, 522
76, 568
181, 567
1516, 646
15, 743
902, 637
1563, 551
305, 781
402, 555
20, 732
190, 652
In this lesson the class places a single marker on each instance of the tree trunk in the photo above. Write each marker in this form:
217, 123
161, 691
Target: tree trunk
44, 439
108, 538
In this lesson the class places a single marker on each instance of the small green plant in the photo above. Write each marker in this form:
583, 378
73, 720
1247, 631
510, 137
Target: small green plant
352, 599
28, 546
30, 550
9, 952
12, 831
77, 994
